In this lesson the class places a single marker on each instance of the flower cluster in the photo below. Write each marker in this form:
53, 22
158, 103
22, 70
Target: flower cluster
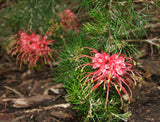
113, 70
32, 48
69, 20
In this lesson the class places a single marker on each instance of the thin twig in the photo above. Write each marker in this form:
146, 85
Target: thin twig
135, 1
141, 1
90, 110
109, 43
15, 91
145, 27
65, 105
151, 41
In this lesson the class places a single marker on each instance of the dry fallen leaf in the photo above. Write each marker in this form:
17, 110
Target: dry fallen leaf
62, 115
26, 102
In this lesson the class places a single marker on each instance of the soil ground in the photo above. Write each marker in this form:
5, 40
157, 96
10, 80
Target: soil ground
32, 96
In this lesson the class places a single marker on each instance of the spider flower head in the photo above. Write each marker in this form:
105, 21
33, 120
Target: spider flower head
32, 48
69, 20
113, 70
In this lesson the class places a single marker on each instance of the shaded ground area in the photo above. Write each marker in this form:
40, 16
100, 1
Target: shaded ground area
145, 105
27, 95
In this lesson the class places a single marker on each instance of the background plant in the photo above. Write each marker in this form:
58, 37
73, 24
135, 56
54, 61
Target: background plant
26, 15
32, 49
30, 14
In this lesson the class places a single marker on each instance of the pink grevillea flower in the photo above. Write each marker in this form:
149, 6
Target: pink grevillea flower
69, 20
32, 48
113, 70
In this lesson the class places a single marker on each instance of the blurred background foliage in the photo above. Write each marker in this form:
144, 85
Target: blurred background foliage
27, 15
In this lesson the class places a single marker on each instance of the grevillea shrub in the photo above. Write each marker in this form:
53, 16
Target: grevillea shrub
31, 49
113, 70
69, 20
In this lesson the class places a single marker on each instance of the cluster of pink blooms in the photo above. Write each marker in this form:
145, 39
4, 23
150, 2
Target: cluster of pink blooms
113, 70
32, 48
69, 20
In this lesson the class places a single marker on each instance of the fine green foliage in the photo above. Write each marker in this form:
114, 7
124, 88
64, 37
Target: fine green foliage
91, 107
32, 14
69, 52
25, 15
123, 22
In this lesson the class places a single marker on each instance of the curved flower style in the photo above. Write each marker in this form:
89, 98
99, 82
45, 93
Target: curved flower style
113, 70
69, 20
32, 48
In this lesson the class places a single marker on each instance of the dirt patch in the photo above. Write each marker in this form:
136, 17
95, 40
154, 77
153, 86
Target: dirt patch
145, 105
28, 95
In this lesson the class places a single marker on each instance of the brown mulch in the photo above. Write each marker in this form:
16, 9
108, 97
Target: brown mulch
145, 105
27, 95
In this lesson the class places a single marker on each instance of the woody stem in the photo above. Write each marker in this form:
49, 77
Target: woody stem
109, 32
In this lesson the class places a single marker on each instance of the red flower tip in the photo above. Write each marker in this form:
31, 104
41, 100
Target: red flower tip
69, 20
32, 48
113, 70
